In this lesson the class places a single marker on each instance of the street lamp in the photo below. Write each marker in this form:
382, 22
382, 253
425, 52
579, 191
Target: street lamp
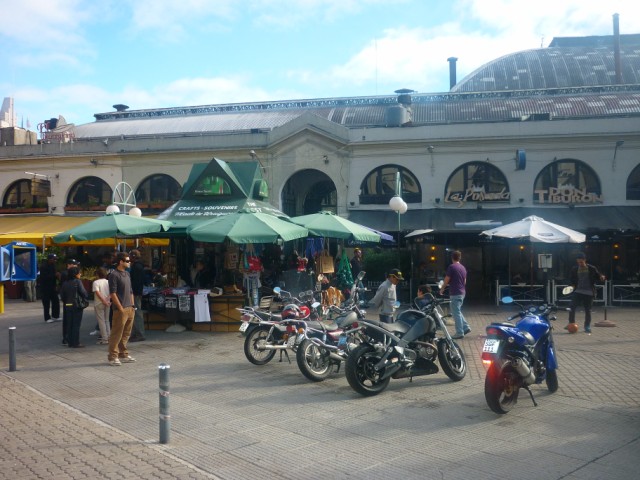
397, 204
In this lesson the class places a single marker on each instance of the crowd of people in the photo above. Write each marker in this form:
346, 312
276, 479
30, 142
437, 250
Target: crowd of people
117, 298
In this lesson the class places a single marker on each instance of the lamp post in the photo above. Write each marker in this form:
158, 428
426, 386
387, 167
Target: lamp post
397, 204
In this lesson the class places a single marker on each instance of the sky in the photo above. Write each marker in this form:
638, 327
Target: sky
76, 58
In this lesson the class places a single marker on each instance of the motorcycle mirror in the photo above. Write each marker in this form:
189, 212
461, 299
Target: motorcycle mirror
396, 304
361, 275
567, 290
440, 283
506, 300
277, 290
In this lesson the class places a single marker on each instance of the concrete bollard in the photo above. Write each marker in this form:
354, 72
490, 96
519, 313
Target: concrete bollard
12, 349
165, 418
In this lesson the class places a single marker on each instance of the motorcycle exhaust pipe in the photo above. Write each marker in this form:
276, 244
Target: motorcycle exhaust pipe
524, 371
274, 347
335, 357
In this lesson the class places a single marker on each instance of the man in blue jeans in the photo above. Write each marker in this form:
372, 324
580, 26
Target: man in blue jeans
456, 280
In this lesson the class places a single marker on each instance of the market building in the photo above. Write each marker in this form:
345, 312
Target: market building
552, 132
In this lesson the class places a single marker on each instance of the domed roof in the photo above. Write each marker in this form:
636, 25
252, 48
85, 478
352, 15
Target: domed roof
588, 64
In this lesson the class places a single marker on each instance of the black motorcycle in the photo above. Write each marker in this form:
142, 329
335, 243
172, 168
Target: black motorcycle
406, 348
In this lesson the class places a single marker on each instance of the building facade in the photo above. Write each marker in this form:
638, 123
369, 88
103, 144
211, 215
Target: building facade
553, 132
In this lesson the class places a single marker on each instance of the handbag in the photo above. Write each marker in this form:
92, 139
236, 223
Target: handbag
81, 302
231, 257
253, 262
325, 263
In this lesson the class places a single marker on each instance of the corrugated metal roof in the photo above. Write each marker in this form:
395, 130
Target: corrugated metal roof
371, 111
176, 124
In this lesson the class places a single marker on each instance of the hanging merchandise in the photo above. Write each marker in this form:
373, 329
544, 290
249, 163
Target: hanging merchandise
251, 283
252, 259
314, 246
324, 262
344, 278
231, 256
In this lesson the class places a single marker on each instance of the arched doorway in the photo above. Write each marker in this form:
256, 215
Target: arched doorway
309, 191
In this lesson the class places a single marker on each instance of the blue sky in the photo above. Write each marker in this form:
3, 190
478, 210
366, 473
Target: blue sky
79, 57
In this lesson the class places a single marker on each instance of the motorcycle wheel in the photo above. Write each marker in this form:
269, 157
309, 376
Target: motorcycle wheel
552, 380
501, 387
360, 373
313, 361
452, 362
256, 338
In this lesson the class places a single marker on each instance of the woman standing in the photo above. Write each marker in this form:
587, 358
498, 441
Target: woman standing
102, 305
71, 289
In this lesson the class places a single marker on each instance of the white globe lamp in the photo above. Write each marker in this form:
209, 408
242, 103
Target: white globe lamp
112, 209
135, 212
396, 204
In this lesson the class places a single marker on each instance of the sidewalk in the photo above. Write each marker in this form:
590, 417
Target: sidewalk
67, 414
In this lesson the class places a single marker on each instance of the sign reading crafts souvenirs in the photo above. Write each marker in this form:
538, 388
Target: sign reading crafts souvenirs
567, 182
477, 182
218, 189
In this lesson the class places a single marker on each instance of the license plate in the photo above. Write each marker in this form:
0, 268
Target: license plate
244, 326
291, 341
491, 345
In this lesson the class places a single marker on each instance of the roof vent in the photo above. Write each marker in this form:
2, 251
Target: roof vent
400, 114
120, 107
404, 96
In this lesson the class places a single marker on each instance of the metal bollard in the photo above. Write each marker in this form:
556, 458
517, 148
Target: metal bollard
165, 418
12, 349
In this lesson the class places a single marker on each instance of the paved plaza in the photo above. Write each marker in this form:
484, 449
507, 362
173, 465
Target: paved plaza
66, 414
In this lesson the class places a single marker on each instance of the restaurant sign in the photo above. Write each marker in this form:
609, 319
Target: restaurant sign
568, 195
477, 195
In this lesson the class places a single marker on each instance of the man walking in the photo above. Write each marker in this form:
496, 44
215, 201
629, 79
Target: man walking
583, 278
123, 311
385, 297
456, 280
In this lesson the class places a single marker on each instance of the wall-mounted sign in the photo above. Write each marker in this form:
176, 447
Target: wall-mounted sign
477, 182
567, 195
476, 195
40, 187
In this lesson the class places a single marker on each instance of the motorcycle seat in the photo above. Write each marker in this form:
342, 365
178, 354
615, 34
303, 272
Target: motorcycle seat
503, 324
327, 325
396, 328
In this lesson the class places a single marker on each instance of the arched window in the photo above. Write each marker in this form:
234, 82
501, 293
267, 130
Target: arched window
380, 185
633, 184
90, 192
19, 194
477, 182
567, 181
158, 189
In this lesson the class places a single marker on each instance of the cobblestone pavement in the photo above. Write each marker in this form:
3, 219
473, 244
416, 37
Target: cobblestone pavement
67, 414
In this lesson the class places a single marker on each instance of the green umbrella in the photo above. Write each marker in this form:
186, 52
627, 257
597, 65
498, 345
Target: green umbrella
326, 224
114, 225
246, 227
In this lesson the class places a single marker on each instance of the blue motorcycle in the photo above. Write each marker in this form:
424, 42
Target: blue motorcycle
518, 355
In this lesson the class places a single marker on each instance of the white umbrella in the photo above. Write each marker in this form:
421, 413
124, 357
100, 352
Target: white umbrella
536, 229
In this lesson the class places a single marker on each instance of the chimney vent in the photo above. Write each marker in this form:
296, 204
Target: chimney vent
616, 48
452, 71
